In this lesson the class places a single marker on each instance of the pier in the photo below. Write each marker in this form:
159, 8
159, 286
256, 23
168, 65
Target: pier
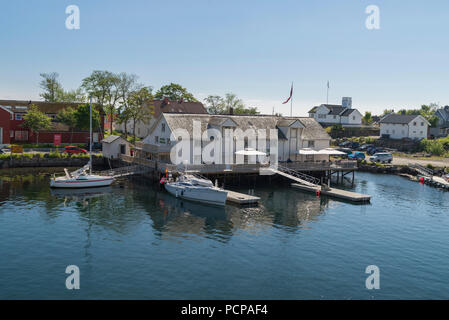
335, 193
241, 198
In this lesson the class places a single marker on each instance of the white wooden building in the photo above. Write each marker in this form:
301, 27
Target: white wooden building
114, 146
344, 114
397, 126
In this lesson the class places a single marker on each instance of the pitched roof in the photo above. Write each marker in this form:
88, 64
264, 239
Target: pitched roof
347, 112
443, 113
334, 109
178, 107
46, 107
313, 130
398, 118
110, 138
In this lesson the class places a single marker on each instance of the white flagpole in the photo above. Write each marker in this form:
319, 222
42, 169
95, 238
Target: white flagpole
291, 102
327, 96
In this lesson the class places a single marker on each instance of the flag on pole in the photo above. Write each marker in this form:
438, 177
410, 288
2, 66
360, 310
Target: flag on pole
291, 94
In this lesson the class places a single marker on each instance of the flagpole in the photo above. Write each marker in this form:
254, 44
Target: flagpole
327, 96
291, 103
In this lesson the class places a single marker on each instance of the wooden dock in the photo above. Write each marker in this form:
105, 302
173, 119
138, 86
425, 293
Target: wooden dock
336, 193
241, 198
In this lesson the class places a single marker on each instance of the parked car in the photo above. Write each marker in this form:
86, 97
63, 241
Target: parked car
74, 150
382, 157
371, 151
96, 146
365, 147
345, 150
357, 156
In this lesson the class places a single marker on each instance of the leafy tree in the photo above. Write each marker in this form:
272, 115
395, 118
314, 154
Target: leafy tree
103, 86
67, 116
82, 114
76, 95
141, 107
174, 92
215, 104
36, 121
231, 101
126, 85
53, 90
367, 118
387, 111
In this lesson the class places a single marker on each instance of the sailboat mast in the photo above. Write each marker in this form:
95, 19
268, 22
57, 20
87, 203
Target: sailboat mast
90, 137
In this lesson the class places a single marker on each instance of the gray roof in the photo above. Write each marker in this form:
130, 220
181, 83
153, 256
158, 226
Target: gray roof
398, 118
347, 112
111, 138
443, 113
312, 131
334, 109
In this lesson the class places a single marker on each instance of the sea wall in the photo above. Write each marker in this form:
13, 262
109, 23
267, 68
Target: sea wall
25, 162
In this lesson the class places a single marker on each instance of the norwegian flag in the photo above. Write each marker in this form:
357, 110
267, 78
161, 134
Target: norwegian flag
291, 94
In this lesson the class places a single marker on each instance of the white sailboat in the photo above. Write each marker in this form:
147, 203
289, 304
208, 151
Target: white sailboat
83, 177
197, 189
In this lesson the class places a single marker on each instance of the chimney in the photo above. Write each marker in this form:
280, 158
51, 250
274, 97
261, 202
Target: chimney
231, 110
165, 101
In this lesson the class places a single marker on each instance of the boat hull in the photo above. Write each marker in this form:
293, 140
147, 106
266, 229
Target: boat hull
198, 194
76, 183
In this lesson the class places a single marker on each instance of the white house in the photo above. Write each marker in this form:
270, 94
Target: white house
292, 134
114, 146
344, 114
397, 126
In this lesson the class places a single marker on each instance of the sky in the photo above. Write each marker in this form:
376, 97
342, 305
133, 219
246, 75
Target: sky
254, 49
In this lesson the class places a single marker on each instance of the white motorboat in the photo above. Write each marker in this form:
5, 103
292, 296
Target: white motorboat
82, 178
197, 189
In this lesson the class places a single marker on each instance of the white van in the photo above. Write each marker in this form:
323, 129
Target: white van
382, 157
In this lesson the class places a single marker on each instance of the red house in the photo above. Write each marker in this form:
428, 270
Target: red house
12, 113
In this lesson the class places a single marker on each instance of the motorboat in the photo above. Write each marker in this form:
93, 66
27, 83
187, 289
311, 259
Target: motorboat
80, 178
195, 188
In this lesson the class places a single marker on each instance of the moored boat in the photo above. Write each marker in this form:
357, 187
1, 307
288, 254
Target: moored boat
197, 189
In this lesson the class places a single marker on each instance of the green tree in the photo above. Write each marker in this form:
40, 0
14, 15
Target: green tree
82, 117
231, 101
53, 90
67, 117
36, 121
126, 85
103, 86
367, 118
215, 104
141, 107
174, 92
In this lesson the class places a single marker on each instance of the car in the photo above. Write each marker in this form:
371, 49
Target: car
345, 150
371, 151
365, 147
357, 156
382, 157
96, 146
74, 150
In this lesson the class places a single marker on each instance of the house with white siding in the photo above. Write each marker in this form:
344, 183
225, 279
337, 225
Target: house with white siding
398, 126
292, 134
330, 114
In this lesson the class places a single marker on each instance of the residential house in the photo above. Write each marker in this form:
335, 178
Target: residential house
143, 128
442, 127
292, 133
330, 114
12, 113
398, 126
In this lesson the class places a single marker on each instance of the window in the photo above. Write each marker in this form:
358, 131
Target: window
311, 144
123, 149
156, 139
422, 124
168, 140
353, 117
421, 132
11, 133
388, 131
322, 116
11, 116
414, 123
19, 116
335, 117
393, 131
163, 127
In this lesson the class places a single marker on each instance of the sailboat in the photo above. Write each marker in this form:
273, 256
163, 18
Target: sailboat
83, 177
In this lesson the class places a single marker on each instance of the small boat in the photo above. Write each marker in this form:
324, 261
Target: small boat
197, 189
80, 179
83, 177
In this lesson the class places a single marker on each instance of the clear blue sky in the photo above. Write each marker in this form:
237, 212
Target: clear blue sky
251, 48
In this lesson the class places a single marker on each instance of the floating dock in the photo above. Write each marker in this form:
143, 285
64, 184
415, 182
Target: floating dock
336, 193
241, 198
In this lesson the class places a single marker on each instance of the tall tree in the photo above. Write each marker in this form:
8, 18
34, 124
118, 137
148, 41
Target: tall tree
126, 85
141, 107
67, 117
174, 92
102, 86
215, 104
36, 121
231, 101
53, 90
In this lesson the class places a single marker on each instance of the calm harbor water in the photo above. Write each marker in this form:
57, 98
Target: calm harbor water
133, 241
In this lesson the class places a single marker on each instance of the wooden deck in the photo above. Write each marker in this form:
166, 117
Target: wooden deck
241, 198
336, 193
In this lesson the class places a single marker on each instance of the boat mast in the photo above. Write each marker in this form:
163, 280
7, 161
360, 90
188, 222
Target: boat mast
90, 137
